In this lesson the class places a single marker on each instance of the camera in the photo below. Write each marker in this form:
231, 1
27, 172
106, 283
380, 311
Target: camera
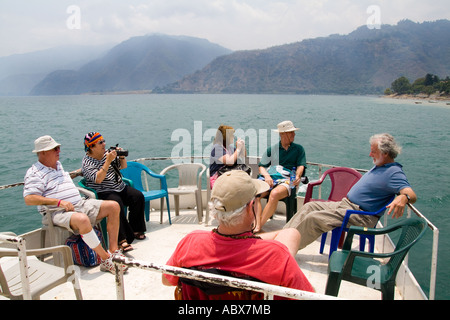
120, 153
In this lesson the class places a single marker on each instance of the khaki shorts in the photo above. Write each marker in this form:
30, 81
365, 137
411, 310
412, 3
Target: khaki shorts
61, 218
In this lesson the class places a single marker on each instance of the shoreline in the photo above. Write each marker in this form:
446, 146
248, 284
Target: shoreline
419, 98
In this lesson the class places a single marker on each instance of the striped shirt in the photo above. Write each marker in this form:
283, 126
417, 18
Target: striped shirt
90, 168
50, 183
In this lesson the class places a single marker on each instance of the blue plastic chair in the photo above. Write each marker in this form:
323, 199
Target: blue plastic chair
134, 173
336, 233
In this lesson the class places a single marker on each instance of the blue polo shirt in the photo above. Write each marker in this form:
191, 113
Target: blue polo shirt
377, 187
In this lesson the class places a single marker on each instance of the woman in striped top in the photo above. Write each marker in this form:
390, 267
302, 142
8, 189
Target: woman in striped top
101, 170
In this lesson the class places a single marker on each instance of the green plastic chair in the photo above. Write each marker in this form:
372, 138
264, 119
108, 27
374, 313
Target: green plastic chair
358, 266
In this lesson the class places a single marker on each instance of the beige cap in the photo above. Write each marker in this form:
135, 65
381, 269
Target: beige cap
286, 126
45, 143
234, 189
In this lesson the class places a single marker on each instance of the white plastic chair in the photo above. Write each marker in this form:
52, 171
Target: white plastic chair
24, 278
189, 182
58, 235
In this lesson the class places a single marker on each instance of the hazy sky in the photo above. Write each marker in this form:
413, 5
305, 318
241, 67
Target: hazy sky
30, 25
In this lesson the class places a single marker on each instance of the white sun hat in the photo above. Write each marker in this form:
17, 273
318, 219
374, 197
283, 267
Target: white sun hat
286, 126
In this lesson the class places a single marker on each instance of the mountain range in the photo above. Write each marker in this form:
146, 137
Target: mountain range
365, 61
19, 73
140, 63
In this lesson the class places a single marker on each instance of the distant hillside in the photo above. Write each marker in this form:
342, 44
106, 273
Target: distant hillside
19, 73
140, 63
362, 62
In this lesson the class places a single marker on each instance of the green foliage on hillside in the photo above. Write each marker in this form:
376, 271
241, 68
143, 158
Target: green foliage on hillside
427, 85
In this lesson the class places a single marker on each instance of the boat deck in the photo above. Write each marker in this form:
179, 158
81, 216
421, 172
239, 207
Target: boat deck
158, 246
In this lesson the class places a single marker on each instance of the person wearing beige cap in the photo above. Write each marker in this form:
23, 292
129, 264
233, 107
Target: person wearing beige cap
49, 187
275, 167
233, 247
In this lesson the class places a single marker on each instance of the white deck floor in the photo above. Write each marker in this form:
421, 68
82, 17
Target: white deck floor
159, 245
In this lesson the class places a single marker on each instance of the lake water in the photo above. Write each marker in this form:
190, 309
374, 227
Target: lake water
334, 130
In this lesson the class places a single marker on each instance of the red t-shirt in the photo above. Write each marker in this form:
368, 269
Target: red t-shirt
266, 260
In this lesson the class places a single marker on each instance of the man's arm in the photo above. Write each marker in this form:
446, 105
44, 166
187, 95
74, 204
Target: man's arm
266, 175
37, 200
298, 175
397, 206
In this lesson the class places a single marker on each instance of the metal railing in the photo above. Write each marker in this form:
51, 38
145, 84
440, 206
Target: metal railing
268, 290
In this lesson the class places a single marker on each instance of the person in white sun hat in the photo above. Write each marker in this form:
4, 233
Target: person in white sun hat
49, 187
275, 167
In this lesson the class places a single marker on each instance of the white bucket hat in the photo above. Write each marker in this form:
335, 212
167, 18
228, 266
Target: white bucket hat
45, 143
286, 126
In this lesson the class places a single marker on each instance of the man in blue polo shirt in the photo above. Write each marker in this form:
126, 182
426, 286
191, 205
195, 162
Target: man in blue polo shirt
372, 192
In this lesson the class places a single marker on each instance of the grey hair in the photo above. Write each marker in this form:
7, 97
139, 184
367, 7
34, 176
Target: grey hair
231, 219
386, 144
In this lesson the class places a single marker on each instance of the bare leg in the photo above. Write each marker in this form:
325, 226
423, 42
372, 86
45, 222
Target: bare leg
111, 211
275, 195
258, 209
290, 237
80, 222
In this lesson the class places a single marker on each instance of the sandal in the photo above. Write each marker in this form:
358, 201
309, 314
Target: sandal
139, 235
125, 246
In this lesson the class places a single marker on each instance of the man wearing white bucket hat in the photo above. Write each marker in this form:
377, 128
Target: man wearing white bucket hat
275, 167
51, 188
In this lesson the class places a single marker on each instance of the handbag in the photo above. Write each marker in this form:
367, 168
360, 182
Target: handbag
236, 166
81, 253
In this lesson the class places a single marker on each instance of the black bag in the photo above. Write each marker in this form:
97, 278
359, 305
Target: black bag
236, 166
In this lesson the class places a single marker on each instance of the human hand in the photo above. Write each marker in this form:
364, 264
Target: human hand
397, 207
66, 205
268, 179
111, 155
240, 144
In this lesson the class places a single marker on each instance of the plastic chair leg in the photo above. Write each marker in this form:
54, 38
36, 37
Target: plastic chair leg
333, 284
334, 241
168, 209
323, 241
388, 291
147, 210
362, 242
341, 240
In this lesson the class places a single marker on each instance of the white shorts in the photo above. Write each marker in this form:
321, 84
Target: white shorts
279, 182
